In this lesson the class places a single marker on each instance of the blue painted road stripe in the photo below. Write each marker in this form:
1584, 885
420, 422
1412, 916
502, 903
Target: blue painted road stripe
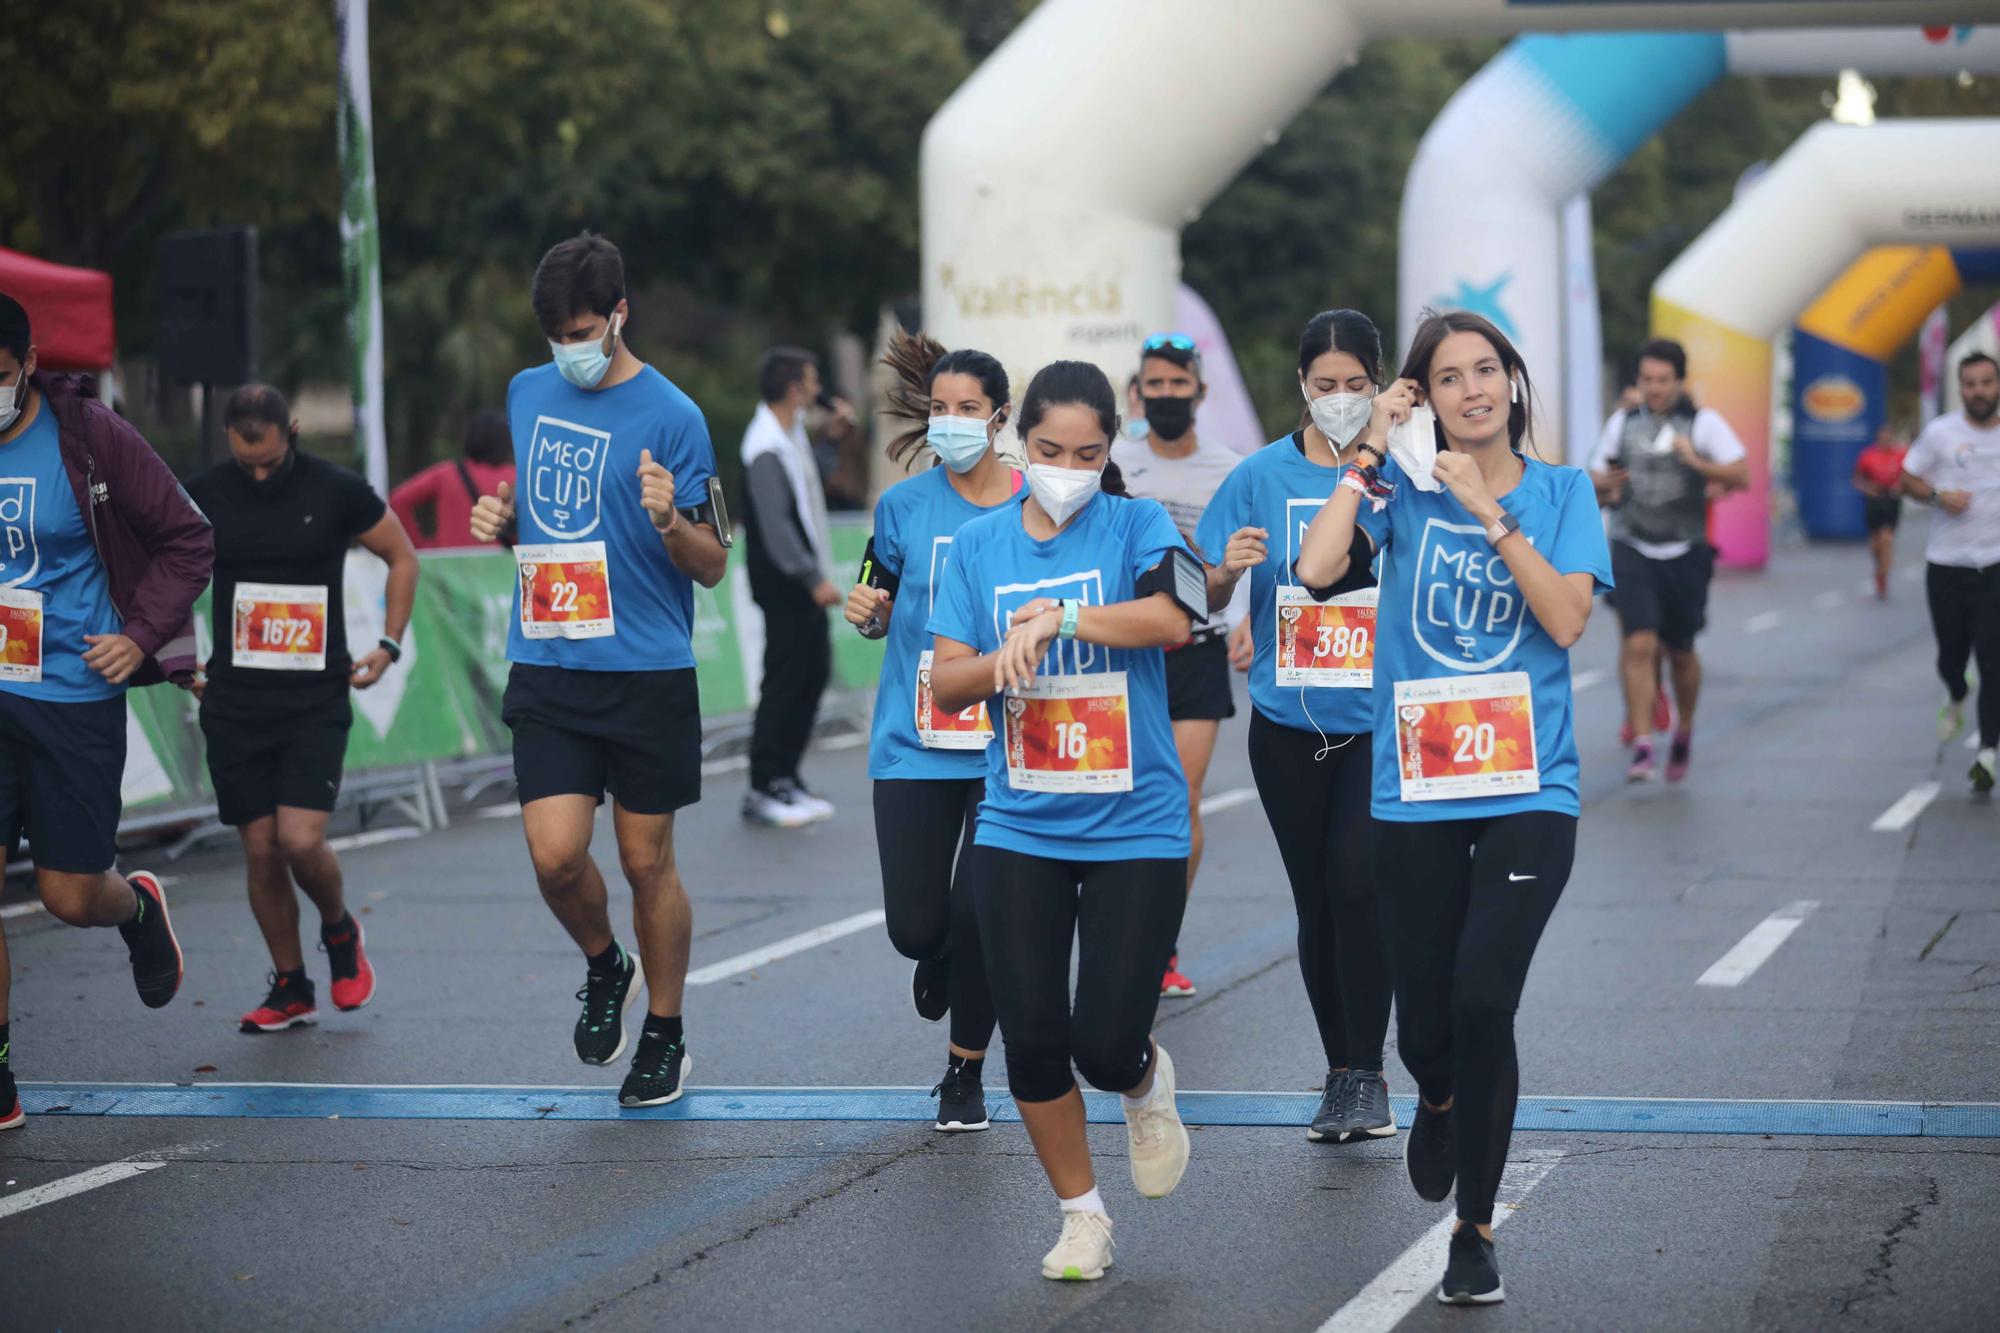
1595, 1115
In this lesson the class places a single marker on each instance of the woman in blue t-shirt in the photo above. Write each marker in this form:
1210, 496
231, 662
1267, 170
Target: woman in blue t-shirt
928, 766
1311, 717
1054, 612
1490, 560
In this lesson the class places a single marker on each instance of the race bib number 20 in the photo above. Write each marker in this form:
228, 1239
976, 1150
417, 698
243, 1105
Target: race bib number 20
565, 591
1462, 736
1070, 734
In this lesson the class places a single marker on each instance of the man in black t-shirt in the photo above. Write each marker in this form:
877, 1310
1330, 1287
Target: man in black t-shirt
274, 704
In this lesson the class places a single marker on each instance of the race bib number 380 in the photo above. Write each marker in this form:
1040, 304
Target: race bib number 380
279, 627
20, 634
565, 591
1464, 736
1070, 734
1329, 644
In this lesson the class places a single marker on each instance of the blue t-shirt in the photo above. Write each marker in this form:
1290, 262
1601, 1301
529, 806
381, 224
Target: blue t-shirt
995, 568
45, 548
1450, 607
578, 452
1279, 489
915, 522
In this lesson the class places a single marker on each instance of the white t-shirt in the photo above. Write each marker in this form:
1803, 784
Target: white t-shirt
1713, 439
1954, 455
1183, 485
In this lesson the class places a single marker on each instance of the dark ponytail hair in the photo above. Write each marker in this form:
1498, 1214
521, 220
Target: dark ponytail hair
1341, 330
1433, 327
1074, 384
917, 359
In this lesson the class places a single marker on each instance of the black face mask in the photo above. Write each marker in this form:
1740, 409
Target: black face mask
266, 487
1170, 418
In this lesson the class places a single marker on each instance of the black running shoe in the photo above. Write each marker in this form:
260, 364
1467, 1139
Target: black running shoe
1430, 1152
930, 987
961, 1101
658, 1068
1369, 1115
600, 1028
1472, 1273
149, 938
11, 1114
1329, 1122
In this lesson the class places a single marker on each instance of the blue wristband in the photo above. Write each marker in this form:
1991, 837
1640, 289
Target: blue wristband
1071, 609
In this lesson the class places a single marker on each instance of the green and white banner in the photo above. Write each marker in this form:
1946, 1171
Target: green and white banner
361, 240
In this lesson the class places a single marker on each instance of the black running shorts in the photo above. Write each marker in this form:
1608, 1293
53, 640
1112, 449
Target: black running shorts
636, 734
61, 766
273, 746
1664, 597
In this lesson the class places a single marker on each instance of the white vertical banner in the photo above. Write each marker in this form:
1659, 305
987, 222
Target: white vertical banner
1583, 338
1930, 367
360, 239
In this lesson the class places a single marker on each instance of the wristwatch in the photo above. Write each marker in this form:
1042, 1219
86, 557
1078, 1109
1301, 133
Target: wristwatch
1500, 527
1071, 609
391, 647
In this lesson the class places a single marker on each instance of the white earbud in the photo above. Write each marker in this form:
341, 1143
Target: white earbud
1513, 390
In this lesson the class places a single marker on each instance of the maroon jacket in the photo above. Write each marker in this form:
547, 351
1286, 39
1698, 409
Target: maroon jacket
154, 542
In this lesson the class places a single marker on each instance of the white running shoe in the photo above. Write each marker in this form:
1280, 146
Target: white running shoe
1158, 1139
1951, 720
1084, 1251
818, 809
772, 810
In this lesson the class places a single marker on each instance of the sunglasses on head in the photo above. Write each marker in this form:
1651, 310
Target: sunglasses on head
1180, 342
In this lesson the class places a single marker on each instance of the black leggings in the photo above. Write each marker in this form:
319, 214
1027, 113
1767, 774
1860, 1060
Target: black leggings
1123, 915
1318, 810
1465, 901
1965, 616
923, 830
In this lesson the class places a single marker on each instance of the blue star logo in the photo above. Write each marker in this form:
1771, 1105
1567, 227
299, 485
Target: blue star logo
1482, 301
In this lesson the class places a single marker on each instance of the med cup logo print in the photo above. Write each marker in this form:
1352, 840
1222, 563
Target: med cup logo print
1467, 612
20, 556
566, 478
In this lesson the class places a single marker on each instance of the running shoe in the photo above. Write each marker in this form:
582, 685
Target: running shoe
1881, 587
1951, 720
1678, 755
288, 1005
1329, 1122
1369, 1115
659, 1069
1083, 1252
1430, 1153
11, 1114
961, 1101
1175, 985
600, 1028
1663, 713
1641, 767
817, 807
149, 938
353, 974
1158, 1139
1982, 773
930, 987
1472, 1272
771, 808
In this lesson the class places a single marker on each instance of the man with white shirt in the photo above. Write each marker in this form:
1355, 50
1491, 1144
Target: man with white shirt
1955, 466
1656, 467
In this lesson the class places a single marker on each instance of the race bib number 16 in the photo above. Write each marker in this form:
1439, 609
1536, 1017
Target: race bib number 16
1461, 736
565, 591
1070, 734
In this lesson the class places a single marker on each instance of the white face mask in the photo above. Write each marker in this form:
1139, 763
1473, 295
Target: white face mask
959, 441
16, 394
1062, 491
1413, 444
1339, 416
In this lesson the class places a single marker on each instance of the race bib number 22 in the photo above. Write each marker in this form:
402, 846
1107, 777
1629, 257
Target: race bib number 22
565, 591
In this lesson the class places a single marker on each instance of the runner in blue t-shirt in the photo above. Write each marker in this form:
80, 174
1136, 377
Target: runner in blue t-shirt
615, 525
1311, 720
1054, 613
929, 766
1490, 561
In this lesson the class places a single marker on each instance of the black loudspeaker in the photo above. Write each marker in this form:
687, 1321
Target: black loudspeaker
208, 306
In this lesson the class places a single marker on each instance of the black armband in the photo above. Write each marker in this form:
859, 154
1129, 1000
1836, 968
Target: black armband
712, 511
875, 574
1181, 577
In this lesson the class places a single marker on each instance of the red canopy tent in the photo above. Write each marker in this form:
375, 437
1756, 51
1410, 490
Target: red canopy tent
68, 308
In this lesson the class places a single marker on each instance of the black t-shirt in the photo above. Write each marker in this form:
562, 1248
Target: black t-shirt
296, 536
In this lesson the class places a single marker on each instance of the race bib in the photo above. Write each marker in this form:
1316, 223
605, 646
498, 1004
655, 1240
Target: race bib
1070, 734
20, 634
280, 627
969, 729
565, 591
1326, 643
1460, 736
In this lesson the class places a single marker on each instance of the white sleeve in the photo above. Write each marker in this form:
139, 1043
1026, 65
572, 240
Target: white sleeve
1714, 439
1607, 442
1922, 457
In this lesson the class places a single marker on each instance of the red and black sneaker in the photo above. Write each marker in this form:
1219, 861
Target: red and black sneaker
289, 1005
149, 938
353, 974
11, 1114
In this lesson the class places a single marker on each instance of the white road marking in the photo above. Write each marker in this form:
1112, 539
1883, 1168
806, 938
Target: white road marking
372, 838
1587, 680
1764, 620
1826, 601
1413, 1277
18, 909
785, 948
1227, 800
1906, 809
511, 810
81, 1182
1753, 950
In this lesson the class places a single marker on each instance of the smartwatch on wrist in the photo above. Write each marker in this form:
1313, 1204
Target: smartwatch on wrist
1500, 527
1071, 610
391, 647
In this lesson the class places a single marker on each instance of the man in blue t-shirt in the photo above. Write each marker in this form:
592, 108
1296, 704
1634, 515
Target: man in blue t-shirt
613, 526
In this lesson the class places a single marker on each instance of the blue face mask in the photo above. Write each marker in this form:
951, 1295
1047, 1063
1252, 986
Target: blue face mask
584, 364
960, 441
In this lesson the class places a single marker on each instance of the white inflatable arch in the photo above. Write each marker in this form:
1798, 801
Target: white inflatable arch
1056, 180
